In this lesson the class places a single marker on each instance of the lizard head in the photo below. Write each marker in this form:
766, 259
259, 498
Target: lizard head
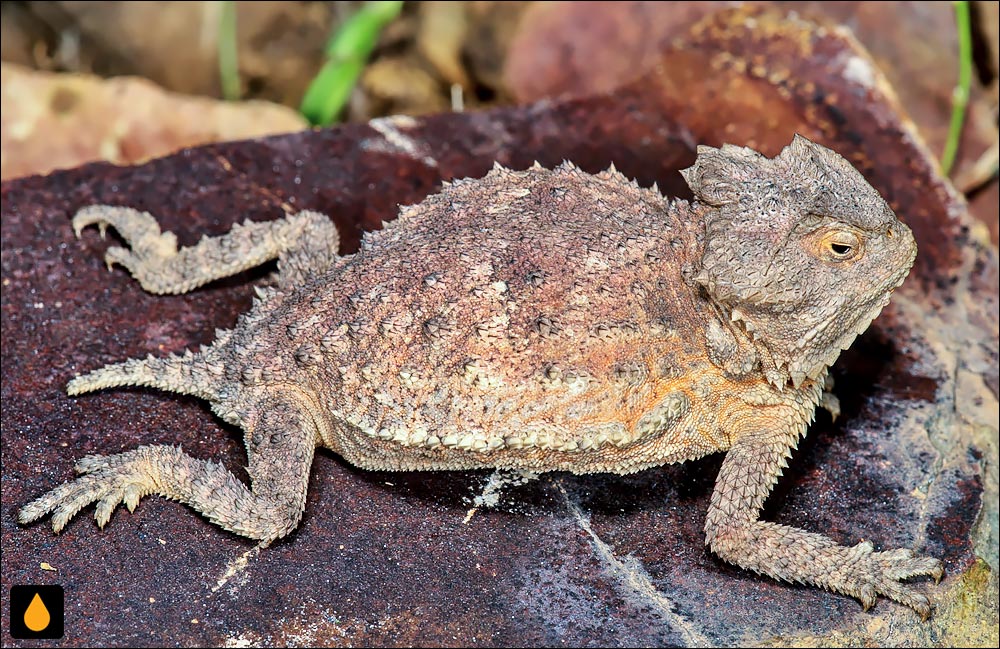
799, 251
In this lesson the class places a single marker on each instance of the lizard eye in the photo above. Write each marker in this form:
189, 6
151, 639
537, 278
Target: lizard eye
840, 245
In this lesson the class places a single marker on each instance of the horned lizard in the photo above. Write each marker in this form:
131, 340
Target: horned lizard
541, 320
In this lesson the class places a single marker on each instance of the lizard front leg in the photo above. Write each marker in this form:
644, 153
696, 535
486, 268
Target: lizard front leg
734, 532
303, 243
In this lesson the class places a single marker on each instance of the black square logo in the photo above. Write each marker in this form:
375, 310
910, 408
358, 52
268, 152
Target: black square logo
36, 612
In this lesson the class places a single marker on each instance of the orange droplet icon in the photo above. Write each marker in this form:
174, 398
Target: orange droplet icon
36, 616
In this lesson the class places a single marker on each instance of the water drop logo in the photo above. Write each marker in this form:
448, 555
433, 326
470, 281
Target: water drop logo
37, 616
36, 612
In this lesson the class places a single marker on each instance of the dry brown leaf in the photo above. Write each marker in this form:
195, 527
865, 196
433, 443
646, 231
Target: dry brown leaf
51, 120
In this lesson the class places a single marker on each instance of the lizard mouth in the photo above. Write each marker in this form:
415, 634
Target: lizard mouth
832, 337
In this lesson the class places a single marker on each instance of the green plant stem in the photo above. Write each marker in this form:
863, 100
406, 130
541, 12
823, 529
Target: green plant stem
960, 96
229, 73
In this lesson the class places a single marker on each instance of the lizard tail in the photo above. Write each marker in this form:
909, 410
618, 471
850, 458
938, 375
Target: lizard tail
189, 373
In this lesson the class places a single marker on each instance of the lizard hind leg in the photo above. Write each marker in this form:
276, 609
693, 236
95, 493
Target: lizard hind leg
303, 243
281, 440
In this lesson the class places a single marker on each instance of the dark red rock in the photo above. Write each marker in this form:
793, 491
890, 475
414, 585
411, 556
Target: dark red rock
575, 48
389, 559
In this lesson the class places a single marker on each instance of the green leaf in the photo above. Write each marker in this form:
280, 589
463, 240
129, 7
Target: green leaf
347, 51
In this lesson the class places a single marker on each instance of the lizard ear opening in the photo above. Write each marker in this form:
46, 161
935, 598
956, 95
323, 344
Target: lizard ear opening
718, 175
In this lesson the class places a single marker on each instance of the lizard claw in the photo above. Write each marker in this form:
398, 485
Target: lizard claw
150, 255
108, 481
882, 573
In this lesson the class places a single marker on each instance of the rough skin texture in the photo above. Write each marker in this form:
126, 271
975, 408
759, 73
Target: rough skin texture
548, 320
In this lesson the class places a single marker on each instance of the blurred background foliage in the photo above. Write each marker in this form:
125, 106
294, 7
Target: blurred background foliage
128, 81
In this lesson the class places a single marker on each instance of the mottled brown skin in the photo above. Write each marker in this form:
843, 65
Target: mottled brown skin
547, 320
